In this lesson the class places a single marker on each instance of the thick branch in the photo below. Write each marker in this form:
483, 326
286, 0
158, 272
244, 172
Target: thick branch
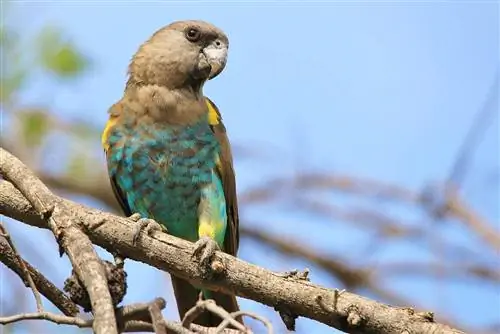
66, 227
347, 312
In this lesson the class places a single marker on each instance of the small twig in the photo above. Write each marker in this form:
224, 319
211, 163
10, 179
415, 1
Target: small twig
44, 286
211, 306
138, 311
55, 318
177, 328
129, 325
156, 318
223, 325
26, 274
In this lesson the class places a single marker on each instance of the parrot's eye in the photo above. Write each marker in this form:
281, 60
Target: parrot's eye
193, 34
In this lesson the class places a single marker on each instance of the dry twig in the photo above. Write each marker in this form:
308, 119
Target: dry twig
26, 276
210, 306
44, 286
131, 318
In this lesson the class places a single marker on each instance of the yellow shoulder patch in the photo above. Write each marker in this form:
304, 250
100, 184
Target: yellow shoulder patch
105, 134
213, 113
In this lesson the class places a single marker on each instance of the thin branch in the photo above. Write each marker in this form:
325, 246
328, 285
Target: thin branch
52, 317
482, 120
132, 318
234, 315
46, 288
26, 276
66, 227
210, 306
453, 271
384, 224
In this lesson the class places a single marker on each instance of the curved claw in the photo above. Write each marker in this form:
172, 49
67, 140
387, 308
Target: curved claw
135, 217
204, 250
148, 225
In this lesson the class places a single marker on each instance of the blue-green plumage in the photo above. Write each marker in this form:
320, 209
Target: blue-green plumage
167, 171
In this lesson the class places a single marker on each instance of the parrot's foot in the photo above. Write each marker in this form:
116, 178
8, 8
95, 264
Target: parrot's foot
204, 250
146, 224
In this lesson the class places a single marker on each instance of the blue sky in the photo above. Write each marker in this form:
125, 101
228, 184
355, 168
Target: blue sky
385, 90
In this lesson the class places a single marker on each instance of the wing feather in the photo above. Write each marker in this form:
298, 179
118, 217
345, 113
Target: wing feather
120, 195
226, 172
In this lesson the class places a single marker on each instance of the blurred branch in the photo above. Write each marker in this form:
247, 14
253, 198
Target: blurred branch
383, 224
298, 297
452, 271
482, 120
461, 210
452, 206
351, 278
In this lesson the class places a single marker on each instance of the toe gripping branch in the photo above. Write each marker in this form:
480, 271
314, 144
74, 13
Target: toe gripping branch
204, 252
145, 224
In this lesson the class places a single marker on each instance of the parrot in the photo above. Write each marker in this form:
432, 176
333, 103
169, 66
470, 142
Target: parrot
168, 156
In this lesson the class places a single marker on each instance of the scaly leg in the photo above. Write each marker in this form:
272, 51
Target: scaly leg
204, 250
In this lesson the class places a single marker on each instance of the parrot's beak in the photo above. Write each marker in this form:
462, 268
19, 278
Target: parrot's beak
216, 55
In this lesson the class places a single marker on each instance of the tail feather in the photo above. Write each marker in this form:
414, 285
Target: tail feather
187, 295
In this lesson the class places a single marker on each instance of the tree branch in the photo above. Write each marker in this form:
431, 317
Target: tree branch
66, 227
46, 288
347, 312
23, 273
131, 318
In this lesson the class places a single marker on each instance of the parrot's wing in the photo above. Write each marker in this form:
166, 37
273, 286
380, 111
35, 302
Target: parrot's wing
226, 172
118, 192
120, 196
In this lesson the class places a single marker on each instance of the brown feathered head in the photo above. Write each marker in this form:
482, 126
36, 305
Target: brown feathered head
184, 53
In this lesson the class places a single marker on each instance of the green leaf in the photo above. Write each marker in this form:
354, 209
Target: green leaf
11, 84
35, 125
77, 166
58, 55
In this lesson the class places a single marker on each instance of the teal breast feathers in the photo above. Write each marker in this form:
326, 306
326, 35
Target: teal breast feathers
166, 172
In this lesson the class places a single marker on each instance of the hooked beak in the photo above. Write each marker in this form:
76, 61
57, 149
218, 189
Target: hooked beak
216, 56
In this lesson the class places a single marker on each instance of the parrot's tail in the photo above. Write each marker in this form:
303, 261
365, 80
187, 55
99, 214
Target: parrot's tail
187, 295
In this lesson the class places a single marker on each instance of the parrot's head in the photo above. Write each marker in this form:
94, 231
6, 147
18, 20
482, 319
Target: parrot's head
184, 53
